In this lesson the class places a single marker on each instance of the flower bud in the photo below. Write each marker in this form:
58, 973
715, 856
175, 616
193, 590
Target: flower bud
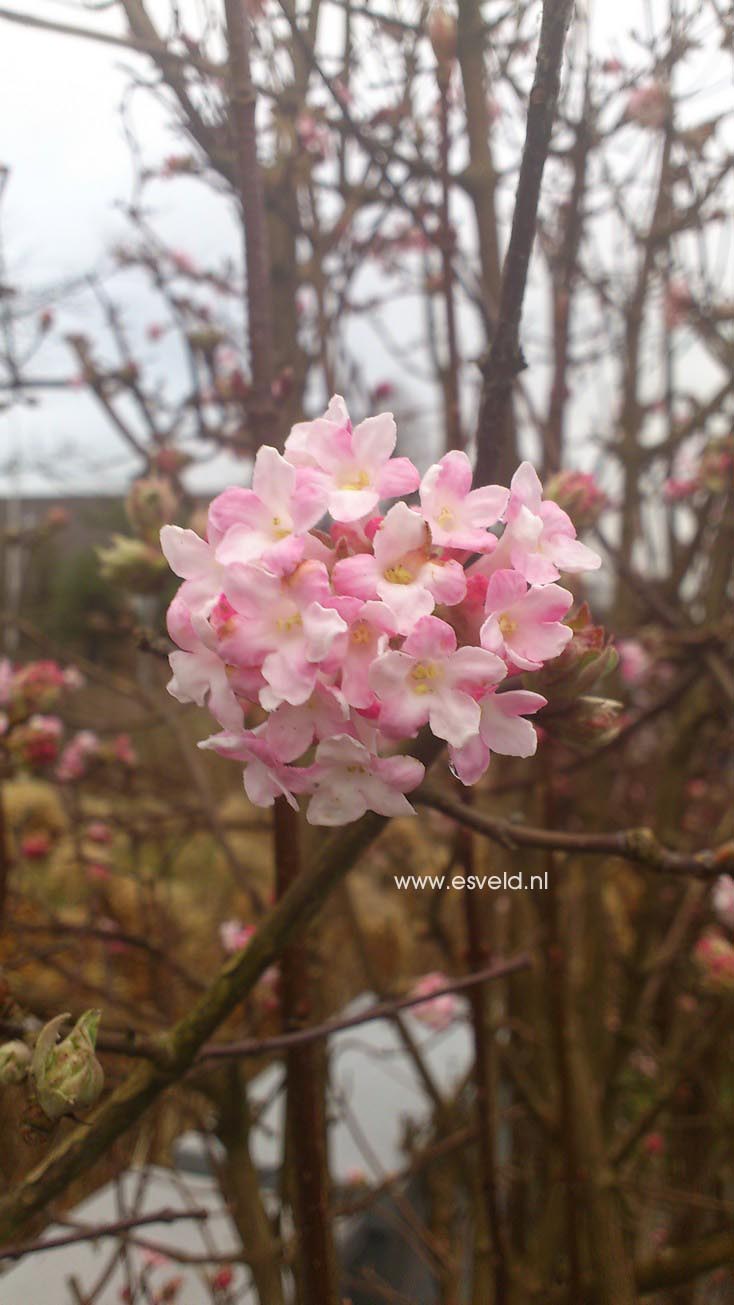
150, 503
579, 495
205, 338
133, 564
15, 1059
716, 471
442, 34
67, 1075
581, 666
714, 957
585, 722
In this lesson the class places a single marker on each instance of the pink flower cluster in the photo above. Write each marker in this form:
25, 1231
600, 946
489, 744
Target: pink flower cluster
36, 686
713, 954
86, 748
324, 644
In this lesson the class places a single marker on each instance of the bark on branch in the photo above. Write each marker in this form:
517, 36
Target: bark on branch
638, 845
505, 359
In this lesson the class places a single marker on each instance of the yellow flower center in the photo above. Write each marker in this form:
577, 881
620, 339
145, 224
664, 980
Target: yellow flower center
360, 480
445, 518
361, 632
507, 625
287, 623
278, 528
399, 575
423, 677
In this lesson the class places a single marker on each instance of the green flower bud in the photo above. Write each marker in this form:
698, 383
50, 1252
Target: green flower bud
586, 723
133, 564
584, 662
151, 502
67, 1075
15, 1058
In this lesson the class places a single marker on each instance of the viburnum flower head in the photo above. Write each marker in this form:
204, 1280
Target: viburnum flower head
322, 635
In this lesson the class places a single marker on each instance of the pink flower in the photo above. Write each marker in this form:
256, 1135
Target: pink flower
37, 741
357, 463
37, 686
99, 832
267, 523
523, 624
430, 681
122, 750
96, 872
502, 729
403, 570
350, 780
653, 1143
437, 1012
634, 660
722, 900
370, 626
195, 561
714, 956
265, 777
199, 673
234, 935
677, 489
36, 846
287, 625
154, 1259
183, 263
223, 1278
678, 303
291, 730
539, 540
76, 755
458, 516
578, 493
314, 136
73, 678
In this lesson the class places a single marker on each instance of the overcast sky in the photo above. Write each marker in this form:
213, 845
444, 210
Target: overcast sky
61, 136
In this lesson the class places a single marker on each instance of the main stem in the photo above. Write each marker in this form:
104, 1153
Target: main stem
306, 1124
251, 195
505, 359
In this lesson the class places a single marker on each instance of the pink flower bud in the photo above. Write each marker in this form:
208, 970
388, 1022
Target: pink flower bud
437, 1012
442, 34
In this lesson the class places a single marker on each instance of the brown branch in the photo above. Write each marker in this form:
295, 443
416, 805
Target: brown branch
493, 1233
305, 1078
131, 43
505, 359
679, 1264
564, 284
94, 1231
251, 195
148, 1048
637, 845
